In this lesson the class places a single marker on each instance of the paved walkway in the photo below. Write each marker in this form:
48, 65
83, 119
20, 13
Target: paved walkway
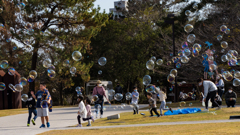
61, 118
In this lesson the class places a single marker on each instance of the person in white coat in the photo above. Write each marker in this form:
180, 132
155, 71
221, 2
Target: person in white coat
82, 113
162, 96
135, 97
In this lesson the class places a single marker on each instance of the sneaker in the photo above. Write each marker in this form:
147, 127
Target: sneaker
28, 125
101, 116
33, 122
89, 125
161, 114
42, 126
205, 110
218, 108
96, 116
48, 124
151, 116
79, 125
171, 110
92, 119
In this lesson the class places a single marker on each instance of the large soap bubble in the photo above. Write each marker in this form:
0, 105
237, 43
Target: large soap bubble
224, 58
236, 82
51, 73
180, 53
237, 74
146, 80
171, 78
100, 72
102, 61
23, 81
212, 67
234, 53
73, 70
210, 58
187, 12
76, 55
47, 63
150, 65
174, 72
4, 64
178, 65
66, 63
227, 31
184, 45
2, 86
227, 76
118, 96
187, 52
184, 59
95, 98
18, 87
12, 87
188, 28
224, 44
159, 62
11, 71
195, 53
229, 56
182, 103
24, 97
33, 74
111, 92
128, 96
175, 59
150, 89
223, 28
78, 89
153, 58
191, 38
219, 37
195, 6
197, 47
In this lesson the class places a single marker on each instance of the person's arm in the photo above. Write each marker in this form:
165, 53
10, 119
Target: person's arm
104, 93
235, 96
220, 83
137, 96
34, 96
94, 91
227, 97
205, 87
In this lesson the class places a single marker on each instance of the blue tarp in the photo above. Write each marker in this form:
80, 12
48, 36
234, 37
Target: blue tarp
183, 111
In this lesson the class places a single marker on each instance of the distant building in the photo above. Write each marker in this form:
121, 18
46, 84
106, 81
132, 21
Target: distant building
118, 7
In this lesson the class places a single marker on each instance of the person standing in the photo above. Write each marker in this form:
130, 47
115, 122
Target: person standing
210, 90
135, 97
162, 96
152, 104
118, 89
42, 104
230, 97
220, 85
100, 92
31, 104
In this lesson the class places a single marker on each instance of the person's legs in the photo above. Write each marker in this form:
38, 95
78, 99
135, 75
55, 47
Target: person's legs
47, 118
206, 102
161, 107
35, 114
213, 95
42, 120
79, 119
220, 92
232, 103
151, 109
155, 111
29, 115
228, 104
101, 110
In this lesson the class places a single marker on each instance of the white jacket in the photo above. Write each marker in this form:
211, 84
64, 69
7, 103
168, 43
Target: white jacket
162, 96
82, 110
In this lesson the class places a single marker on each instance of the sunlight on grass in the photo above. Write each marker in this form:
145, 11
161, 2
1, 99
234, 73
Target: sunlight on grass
190, 129
8, 112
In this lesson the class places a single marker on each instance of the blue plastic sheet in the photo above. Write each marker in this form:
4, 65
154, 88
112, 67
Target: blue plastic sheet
183, 111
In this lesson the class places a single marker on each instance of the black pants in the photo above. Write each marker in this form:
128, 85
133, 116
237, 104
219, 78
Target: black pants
155, 111
84, 119
220, 92
231, 103
101, 109
211, 95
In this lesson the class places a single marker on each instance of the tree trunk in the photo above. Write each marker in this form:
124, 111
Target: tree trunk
61, 99
34, 65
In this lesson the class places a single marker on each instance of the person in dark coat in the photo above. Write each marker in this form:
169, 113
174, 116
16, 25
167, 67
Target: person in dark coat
31, 104
230, 97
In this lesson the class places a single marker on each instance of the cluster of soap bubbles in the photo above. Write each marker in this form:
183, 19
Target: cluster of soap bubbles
102, 61
151, 63
79, 91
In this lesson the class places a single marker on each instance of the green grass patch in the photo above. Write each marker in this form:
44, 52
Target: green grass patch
8, 112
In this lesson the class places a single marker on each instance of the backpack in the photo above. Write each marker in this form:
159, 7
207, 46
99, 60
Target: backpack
100, 97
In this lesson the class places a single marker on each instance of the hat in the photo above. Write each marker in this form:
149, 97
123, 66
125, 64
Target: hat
99, 82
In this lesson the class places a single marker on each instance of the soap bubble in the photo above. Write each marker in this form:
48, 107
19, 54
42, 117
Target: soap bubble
8, 40
187, 12
227, 76
24, 97
236, 82
197, 47
227, 31
171, 78
219, 37
150, 89
28, 26
150, 65
66, 63
187, 52
33, 74
175, 59
188, 28
128, 96
1, 10
184, 59
54, 90
118, 96
47, 63
159, 62
224, 58
18, 87
182, 103
180, 53
237, 75
78, 89
174, 72
171, 54
178, 65
234, 53
193, 96
223, 28
30, 78
190, 104
195, 53
232, 62
22, 5
14, 48
100, 72
223, 50
116, 80
195, 6
232, 71
51, 73
146, 80
51, 67
95, 98
73, 70
210, 58
11, 71
153, 58
76, 55
111, 92
224, 44
212, 67
2, 86
184, 45
169, 63
102, 61
26, 41
229, 56
191, 38
23, 81
4, 64
12, 87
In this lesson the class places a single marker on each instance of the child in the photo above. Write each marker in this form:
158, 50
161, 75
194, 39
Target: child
82, 111
89, 112
162, 96
152, 104
135, 97
31, 104
218, 99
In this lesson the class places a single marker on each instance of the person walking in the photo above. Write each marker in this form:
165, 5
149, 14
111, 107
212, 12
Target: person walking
135, 97
152, 104
31, 104
210, 90
230, 97
220, 85
99, 90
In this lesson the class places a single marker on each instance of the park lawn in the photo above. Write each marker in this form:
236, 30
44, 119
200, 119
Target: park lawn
232, 128
8, 112
128, 117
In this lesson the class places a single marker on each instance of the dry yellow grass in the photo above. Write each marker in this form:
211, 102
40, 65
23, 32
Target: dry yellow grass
232, 128
8, 112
